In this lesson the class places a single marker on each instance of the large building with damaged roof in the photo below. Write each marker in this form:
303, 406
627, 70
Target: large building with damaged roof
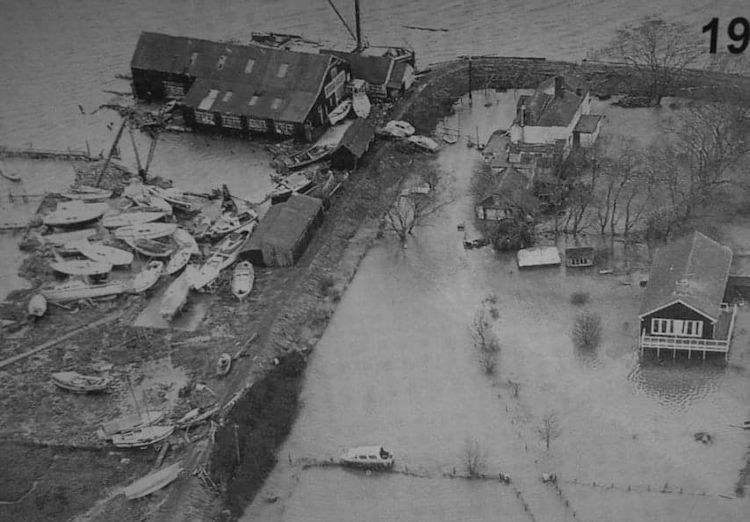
240, 88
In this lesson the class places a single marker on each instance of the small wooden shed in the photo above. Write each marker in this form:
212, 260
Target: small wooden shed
579, 256
353, 145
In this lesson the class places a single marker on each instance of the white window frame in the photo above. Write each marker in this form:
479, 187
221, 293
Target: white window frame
231, 121
205, 117
678, 327
256, 124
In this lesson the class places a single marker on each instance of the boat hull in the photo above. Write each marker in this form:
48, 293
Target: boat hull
77, 383
176, 295
145, 231
131, 422
361, 104
340, 112
132, 218
76, 290
243, 279
81, 267
142, 437
153, 482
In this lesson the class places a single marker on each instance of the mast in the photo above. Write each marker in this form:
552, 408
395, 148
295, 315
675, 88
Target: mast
358, 26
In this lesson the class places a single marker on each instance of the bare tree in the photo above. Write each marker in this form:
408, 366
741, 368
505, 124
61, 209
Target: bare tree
549, 429
474, 457
657, 51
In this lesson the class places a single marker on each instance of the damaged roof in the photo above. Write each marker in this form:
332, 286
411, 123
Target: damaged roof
588, 122
375, 70
547, 108
693, 270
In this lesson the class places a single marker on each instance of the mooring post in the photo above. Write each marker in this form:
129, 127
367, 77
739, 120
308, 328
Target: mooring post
237, 441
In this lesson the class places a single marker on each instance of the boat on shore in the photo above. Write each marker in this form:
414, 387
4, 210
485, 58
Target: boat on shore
306, 157
9, 176
77, 383
142, 437
102, 253
37, 306
74, 213
229, 222
397, 129
224, 254
178, 261
361, 104
223, 365
243, 279
81, 267
151, 247
424, 142
132, 218
174, 197
196, 416
184, 240
153, 482
145, 231
368, 457
176, 295
147, 277
63, 238
87, 193
76, 289
340, 112
130, 422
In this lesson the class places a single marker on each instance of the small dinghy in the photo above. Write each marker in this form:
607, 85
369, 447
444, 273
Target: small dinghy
179, 260
340, 112
183, 238
145, 231
223, 364
398, 129
243, 279
153, 482
174, 197
102, 253
151, 247
424, 142
9, 176
368, 457
450, 139
81, 267
132, 218
361, 104
142, 437
147, 277
306, 157
74, 213
176, 295
87, 193
224, 254
76, 289
194, 417
130, 422
37, 306
288, 186
75, 382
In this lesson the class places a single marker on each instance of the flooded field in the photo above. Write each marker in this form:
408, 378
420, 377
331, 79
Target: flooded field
396, 367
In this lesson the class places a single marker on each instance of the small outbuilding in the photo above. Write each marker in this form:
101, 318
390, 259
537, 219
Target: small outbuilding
579, 256
353, 145
538, 256
284, 232
511, 198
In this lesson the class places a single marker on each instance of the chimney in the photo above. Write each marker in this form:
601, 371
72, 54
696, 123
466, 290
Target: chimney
558, 86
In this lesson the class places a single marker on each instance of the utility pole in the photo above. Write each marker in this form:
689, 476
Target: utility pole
470, 88
358, 27
237, 442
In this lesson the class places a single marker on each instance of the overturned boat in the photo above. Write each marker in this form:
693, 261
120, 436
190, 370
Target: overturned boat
368, 457
81, 267
77, 383
87, 193
76, 289
361, 104
74, 213
176, 295
142, 437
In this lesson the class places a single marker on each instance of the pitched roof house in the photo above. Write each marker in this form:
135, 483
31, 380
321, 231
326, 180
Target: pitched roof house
384, 75
683, 306
353, 145
511, 197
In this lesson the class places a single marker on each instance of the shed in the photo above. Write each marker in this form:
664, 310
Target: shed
538, 256
579, 256
353, 145
284, 232
512, 196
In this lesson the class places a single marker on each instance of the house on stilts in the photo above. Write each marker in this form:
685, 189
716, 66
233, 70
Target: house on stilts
683, 308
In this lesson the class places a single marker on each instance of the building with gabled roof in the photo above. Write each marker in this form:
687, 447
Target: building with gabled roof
384, 75
353, 145
511, 198
242, 88
683, 307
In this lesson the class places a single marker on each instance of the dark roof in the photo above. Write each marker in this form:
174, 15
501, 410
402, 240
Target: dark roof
284, 224
373, 69
357, 137
588, 122
545, 108
276, 104
693, 270
513, 189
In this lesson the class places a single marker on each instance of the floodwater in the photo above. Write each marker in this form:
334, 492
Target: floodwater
59, 59
396, 367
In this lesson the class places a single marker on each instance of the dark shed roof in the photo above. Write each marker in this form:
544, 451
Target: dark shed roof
513, 189
285, 224
544, 108
693, 270
357, 137
588, 122
373, 69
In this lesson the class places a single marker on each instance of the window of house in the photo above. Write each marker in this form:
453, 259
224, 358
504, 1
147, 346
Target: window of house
205, 117
231, 121
227, 96
284, 128
257, 125
253, 100
283, 68
249, 66
221, 62
677, 327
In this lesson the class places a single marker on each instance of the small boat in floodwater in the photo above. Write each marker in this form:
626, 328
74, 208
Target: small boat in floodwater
77, 383
368, 457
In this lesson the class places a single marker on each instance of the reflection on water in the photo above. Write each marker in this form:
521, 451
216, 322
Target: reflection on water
677, 383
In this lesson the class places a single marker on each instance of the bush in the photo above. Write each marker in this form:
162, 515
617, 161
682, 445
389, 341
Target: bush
579, 298
587, 331
474, 457
488, 361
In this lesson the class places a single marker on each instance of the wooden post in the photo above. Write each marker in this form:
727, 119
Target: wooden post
237, 442
111, 151
135, 149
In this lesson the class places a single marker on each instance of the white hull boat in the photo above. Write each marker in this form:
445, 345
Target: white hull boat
243, 279
176, 295
75, 382
223, 365
179, 260
131, 422
424, 142
151, 247
132, 218
74, 213
398, 129
37, 306
147, 277
361, 104
87, 193
63, 238
102, 253
340, 112
368, 457
153, 482
228, 222
224, 255
81, 267
75, 290
174, 197
183, 238
142, 437
145, 231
